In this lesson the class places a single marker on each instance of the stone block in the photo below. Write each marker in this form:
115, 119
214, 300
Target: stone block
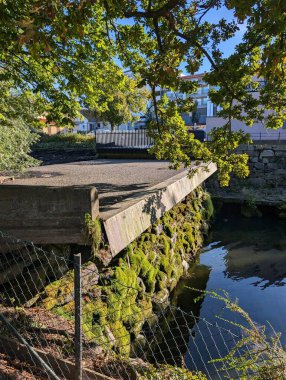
271, 166
254, 160
125, 226
281, 172
257, 182
259, 166
47, 215
254, 153
267, 153
280, 153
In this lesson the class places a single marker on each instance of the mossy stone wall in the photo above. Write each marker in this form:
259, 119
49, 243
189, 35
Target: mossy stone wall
139, 281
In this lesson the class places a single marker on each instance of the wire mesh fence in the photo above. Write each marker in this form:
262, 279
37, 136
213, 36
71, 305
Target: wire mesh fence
60, 319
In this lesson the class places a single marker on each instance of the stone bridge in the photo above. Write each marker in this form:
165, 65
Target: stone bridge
48, 204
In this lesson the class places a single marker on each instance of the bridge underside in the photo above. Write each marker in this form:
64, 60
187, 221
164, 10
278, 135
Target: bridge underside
48, 204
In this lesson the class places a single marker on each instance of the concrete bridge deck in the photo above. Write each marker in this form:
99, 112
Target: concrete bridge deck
47, 204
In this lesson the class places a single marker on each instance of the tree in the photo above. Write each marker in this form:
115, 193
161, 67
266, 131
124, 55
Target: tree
65, 51
16, 137
125, 105
172, 32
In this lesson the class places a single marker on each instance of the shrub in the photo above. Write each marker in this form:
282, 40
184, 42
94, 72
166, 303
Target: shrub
255, 355
67, 137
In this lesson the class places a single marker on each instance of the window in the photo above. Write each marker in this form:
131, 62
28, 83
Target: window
92, 126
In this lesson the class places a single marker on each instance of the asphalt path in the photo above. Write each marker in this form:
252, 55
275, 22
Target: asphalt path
115, 180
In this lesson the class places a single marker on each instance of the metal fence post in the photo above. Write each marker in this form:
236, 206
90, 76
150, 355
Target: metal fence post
78, 310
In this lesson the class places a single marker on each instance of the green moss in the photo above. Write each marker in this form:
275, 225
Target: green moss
122, 339
161, 280
94, 322
94, 233
151, 264
137, 259
152, 256
169, 230
143, 268
57, 292
164, 244
147, 237
66, 311
209, 207
146, 307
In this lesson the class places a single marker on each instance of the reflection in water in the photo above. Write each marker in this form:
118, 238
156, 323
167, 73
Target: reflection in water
247, 258
255, 249
267, 267
249, 262
176, 324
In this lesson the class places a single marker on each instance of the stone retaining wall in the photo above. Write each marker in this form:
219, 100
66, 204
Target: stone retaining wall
267, 165
135, 285
266, 184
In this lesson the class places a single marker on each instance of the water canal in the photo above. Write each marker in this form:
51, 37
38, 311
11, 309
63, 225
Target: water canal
247, 259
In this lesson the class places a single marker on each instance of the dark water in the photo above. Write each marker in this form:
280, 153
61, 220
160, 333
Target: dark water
246, 258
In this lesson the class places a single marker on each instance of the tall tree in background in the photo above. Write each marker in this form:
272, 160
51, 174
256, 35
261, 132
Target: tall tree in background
65, 52
17, 111
126, 105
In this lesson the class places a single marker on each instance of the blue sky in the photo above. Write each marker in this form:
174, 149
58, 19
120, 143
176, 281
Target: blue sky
227, 47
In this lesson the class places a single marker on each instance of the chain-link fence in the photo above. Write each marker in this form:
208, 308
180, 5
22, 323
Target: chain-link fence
61, 319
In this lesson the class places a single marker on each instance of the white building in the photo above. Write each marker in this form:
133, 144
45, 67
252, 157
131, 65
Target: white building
258, 131
88, 123
204, 105
206, 113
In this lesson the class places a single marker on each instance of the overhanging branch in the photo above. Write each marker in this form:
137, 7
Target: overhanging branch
155, 13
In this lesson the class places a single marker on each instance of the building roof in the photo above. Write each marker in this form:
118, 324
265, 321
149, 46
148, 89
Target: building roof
194, 76
88, 114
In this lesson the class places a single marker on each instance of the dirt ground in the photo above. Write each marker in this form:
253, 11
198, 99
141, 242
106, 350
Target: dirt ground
13, 369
